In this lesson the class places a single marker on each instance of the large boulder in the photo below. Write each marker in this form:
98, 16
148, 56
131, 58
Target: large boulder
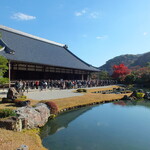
34, 116
147, 95
13, 94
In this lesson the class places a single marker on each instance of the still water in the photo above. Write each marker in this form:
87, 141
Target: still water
122, 125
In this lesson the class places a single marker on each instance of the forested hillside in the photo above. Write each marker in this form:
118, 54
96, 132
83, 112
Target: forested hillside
129, 60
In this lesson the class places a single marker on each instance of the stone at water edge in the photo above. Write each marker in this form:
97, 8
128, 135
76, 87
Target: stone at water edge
147, 95
34, 116
23, 147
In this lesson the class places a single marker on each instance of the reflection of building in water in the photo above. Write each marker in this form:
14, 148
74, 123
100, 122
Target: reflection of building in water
62, 121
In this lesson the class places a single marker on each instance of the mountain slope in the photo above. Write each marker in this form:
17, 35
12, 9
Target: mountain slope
129, 60
142, 60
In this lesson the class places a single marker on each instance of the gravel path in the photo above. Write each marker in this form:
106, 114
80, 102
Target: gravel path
49, 94
55, 94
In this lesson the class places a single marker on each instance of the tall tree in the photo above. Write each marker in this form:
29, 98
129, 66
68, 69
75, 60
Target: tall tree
104, 75
3, 69
120, 72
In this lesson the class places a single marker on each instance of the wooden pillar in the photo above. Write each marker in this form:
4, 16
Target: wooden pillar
9, 73
82, 76
88, 76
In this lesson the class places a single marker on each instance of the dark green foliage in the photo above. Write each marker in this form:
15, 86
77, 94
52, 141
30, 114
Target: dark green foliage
3, 80
148, 64
3, 69
20, 103
130, 79
104, 75
6, 113
7, 100
3, 65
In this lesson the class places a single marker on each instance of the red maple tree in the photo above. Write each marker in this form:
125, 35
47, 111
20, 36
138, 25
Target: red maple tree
120, 71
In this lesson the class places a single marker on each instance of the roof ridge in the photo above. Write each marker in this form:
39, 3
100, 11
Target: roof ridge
30, 36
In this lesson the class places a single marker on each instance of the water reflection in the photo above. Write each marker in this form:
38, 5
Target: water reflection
123, 125
62, 121
140, 102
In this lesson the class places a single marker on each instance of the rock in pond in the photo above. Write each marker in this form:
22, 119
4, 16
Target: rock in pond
147, 95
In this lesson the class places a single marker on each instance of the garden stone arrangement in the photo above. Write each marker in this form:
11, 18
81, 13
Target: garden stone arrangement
27, 118
16, 97
114, 91
137, 94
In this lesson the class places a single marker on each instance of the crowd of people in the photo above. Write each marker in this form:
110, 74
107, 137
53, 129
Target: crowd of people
22, 85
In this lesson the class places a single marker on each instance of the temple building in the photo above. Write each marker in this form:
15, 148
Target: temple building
32, 58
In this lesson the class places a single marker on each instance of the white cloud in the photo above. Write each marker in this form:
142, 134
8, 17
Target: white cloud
94, 15
80, 13
85, 35
21, 16
101, 37
145, 33
88, 13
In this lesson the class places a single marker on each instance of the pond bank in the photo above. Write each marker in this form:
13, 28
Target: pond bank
88, 98
63, 104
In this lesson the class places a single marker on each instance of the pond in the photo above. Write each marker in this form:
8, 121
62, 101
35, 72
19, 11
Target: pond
122, 125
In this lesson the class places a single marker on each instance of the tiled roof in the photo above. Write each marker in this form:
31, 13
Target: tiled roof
20, 46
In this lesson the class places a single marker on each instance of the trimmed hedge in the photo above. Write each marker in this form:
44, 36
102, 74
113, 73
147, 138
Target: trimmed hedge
53, 107
23, 96
20, 99
81, 90
139, 95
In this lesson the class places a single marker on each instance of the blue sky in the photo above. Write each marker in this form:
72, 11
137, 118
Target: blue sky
94, 30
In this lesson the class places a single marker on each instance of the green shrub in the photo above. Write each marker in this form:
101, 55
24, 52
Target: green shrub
23, 96
6, 113
81, 90
139, 95
20, 99
52, 116
84, 90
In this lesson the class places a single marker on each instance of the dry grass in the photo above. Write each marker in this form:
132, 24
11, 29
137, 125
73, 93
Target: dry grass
10, 140
13, 106
87, 98
102, 89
